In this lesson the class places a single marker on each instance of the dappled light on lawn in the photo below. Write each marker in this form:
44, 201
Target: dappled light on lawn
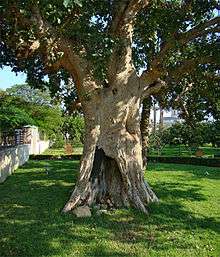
183, 223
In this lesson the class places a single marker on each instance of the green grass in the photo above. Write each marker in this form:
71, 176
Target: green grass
61, 151
185, 222
184, 151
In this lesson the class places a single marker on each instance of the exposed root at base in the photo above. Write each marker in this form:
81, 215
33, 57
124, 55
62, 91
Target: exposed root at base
94, 198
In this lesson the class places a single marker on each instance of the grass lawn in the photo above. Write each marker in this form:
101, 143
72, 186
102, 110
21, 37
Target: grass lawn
61, 151
185, 222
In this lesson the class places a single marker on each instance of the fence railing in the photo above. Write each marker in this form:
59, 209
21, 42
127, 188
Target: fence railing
19, 137
6, 139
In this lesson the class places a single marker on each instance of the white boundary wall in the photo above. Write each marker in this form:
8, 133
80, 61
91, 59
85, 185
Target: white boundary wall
39, 147
11, 158
36, 146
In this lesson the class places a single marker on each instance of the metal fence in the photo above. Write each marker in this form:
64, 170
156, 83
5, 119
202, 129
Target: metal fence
20, 136
6, 139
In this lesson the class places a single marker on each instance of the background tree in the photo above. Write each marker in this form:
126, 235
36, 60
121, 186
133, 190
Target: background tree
74, 127
186, 135
159, 139
31, 95
12, 115
101, 45
211, 133
22, 105
16, 112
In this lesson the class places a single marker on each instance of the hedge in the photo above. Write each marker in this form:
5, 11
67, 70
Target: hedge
212, 162
55, 157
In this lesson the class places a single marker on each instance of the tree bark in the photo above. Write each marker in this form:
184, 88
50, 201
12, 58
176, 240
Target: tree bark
111, 170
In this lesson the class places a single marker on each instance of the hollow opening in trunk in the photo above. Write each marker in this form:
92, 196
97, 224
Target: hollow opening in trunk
106, 177
113, 183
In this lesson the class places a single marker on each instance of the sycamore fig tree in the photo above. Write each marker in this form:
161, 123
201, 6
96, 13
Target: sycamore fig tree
117, 53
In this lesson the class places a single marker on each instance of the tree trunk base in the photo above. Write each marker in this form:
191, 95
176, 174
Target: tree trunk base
111, 187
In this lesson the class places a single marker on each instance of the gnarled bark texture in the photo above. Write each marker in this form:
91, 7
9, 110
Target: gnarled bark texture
111, 170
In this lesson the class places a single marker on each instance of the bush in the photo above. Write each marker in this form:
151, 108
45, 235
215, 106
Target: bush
58, 141
212, 133
158, 140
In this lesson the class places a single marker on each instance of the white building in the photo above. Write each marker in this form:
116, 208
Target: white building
168, 117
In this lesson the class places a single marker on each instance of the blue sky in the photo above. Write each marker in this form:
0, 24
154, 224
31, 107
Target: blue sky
9, 78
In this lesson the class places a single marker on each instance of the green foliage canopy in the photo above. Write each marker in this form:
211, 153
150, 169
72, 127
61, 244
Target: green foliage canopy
182, 133
168, 35
29, 94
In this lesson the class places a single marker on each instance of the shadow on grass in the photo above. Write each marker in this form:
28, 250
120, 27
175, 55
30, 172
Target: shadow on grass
179, 190
31, 223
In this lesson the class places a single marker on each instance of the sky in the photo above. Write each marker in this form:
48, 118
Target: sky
9, 78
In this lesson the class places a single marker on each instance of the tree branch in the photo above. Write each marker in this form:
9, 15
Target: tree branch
124, 13
198, 31
188, 66
43, 30
74, 106
184, 91
154, 88
181, 39
121, 27
49, 40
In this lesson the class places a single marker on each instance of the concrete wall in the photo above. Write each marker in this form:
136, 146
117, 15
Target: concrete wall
39, 147
32, 138
11, 158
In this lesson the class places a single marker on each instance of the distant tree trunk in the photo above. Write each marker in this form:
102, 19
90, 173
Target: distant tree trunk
111, 170
145, 127
161, 119
155, 116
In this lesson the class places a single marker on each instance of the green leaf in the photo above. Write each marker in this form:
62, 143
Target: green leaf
66, 3
78, 2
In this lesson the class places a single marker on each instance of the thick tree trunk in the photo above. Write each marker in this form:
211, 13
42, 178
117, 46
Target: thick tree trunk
111, 170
